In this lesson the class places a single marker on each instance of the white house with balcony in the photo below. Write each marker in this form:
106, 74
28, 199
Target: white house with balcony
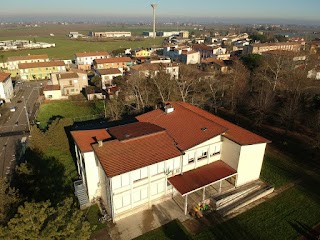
177, 149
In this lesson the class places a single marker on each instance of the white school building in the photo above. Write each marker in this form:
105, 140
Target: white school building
177, 149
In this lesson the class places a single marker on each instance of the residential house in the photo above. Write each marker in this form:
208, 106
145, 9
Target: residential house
207, 51
152, 69
6, 87
259, 48
121, 63
171, 151
62, 85
214, 64
142, 53
184, 34
107, 75
40, 70
85, 60
14, 61
181, 53
110, 34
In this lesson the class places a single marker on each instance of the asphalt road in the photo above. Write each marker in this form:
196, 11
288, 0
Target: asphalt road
14, 125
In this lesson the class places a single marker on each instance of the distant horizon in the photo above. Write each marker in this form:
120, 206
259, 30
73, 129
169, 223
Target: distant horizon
148, 20
246, 11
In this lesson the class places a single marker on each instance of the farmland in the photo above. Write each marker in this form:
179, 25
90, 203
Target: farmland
66, 47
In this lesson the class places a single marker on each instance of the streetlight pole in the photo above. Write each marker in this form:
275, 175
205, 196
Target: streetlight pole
27, 116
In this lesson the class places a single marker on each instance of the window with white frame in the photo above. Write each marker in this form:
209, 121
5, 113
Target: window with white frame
139, 174
122, 201
204, 155
215, 150
190, 158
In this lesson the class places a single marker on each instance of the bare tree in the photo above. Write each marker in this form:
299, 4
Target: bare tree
237, 82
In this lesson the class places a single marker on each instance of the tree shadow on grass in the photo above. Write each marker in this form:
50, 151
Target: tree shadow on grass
41, 178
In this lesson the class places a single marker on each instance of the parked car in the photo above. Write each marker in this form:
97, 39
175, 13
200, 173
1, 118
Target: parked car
13, 109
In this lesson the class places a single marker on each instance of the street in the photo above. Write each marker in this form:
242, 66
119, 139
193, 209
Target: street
14, 124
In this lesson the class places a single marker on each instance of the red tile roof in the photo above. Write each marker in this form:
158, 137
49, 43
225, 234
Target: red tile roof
92, 54
234, 132
200, 177
84, 138
4, 76
118, 157
185, 126
67, 75
52, 87
109, 71
40, 64
133, 130
202, 47
113, 60
29, 57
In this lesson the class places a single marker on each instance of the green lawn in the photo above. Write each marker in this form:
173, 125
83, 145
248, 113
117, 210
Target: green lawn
93, 214
66, 48
278, 170
172, 230
282, 217
64, 109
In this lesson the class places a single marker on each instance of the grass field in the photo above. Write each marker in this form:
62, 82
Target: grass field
283, 217
64, 109
66, 48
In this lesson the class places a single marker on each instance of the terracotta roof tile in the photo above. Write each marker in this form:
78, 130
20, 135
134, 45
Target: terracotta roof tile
40, 64
109, 71
214, 60
234, 133
202, 47
113, 60
67, 75
84, 138
28, 57
134, 130
118, 157
92, 54
186, 127
4, 76
52, 87
202, 176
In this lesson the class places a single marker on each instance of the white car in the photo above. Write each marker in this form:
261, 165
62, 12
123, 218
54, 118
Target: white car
13, 109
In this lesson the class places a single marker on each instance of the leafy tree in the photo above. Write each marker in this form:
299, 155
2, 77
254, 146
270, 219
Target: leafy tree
97, 81
42, 221
8, 200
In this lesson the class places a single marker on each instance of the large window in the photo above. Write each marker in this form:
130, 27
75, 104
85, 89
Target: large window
157, 168
139, 174
215, 150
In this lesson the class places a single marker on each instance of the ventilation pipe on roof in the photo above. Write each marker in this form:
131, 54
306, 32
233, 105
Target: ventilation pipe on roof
168, 108
100, 143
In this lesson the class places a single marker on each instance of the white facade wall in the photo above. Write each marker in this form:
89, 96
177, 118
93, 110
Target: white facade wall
230, 153
88, 60
250, 163
52, 95
92, 175
6, 90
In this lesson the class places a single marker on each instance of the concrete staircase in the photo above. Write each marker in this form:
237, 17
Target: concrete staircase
81, 192
229, 202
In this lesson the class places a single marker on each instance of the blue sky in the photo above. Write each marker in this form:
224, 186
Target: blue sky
249, 9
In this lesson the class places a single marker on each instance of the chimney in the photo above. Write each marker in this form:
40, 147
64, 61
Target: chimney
168, 108
100, 143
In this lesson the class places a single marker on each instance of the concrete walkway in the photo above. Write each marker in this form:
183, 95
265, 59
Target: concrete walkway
145, 221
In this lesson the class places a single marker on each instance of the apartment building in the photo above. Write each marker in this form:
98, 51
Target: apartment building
259, 48
40, 70
85, 60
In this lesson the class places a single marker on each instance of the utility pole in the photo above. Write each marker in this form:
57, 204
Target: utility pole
26, 111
